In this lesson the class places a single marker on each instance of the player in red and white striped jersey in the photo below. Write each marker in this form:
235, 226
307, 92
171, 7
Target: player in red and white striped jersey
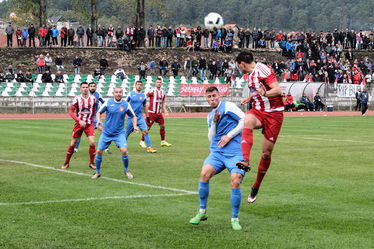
156, 106
266, 113
82, 111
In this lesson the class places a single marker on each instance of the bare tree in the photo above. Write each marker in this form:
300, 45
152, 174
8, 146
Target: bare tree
42, 12
139, 13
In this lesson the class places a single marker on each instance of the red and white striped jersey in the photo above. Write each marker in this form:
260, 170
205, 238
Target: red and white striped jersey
156, 98
263, 74
85, 108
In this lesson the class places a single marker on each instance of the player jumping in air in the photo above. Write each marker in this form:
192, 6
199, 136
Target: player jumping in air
225, 123
156, 104
266, 113
114, 129
85, 106
138, 102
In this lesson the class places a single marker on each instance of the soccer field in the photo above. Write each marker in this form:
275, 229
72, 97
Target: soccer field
318, 192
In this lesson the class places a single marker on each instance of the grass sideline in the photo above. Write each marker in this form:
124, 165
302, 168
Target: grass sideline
317, 193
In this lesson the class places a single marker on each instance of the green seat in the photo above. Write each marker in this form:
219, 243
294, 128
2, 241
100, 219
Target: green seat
189, 81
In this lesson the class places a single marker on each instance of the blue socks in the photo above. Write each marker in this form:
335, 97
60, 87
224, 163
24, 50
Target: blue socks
203, 194
78, 142
147, 140
125, 161
98, 160
236, 198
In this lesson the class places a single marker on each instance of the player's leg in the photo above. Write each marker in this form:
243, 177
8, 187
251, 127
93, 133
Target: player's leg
272, 126
103, 144
149, 126
129, 127
250, 122
143, 127
91, 151
122, 145
161, 122
70, 150
236, 177
212, 165
77, 145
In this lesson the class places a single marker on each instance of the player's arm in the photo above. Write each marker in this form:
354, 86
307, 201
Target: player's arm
272, 82
145, 110
213, 125
235, 113
74, 116
164, 108
102, 109
131, 114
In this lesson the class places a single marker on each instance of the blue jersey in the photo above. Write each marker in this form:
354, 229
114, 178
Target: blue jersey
231, 123
137, 100
115, 116
99, 99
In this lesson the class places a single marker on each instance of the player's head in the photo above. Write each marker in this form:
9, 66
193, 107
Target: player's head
158, 83
92, 87
212, 96
118, 93
84, 88
138, 85
245, 62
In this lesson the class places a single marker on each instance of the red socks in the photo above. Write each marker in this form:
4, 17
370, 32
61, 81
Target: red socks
69, 153
262, 169
92, 151
162, 134
247, 143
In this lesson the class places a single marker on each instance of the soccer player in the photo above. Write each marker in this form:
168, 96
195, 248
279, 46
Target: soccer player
138, 102
114, 129
99, 99
266, 113
85, 106
156, 102
225, 123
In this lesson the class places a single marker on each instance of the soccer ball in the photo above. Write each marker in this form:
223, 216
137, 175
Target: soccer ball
213, 20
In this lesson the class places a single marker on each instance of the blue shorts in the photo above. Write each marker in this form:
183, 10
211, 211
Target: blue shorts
220, 162
141, 124
106, 140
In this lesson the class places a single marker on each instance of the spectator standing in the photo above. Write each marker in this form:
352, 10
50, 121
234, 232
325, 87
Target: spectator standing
48, 62
19, 37
48, 36
169, 37
77, 63
175, 66
158, 36
40, 63
42, 35
99, 33
89, 34
64, 35
206, 38
255, 38
104, 33
364, 98
119, 33
202, 68
129, 33
55, 34
188, 67
142, 37
80, 34
31, 32
9, 35
151, 36
142, 70
110, 35
71, 34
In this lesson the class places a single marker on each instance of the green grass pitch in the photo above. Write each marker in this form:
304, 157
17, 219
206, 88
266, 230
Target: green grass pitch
318, 192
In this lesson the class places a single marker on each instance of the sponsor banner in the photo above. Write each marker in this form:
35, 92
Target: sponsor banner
348, 90
199, 89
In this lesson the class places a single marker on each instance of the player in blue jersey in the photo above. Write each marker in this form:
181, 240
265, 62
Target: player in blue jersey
138, 102
114, 129
225, 123
99, 99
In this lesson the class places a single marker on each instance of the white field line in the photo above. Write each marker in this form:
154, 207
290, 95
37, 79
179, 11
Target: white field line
90, 199
328, 139
103, 177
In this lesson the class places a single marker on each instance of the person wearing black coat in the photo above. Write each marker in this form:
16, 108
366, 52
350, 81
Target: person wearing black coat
89, 33
31, 31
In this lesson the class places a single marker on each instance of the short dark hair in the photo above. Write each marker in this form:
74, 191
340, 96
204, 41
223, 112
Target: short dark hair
159, 79
211, 89
138, 81
246, 57
92, 83
84, 83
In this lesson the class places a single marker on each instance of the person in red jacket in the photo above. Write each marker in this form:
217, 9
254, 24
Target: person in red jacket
19, 37
42, 34
64, 35
356, 77
289, 104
